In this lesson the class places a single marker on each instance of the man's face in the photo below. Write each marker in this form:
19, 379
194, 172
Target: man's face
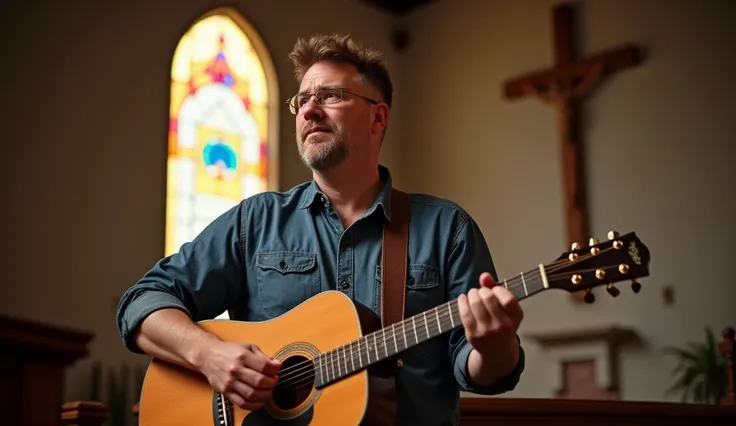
327, 134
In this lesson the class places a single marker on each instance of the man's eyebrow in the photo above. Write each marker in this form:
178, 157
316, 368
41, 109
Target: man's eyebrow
304, 92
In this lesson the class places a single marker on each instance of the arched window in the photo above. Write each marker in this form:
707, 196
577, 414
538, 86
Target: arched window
222, 123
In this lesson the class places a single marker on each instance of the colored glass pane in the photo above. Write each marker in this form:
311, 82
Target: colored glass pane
218, 127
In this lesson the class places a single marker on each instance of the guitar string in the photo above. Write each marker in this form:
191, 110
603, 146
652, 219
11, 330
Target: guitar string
307, 379
339, 362
306, 364
510, 284
531, 277
336, 357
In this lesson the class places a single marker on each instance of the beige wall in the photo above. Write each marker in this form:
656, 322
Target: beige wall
88, 88
660, 142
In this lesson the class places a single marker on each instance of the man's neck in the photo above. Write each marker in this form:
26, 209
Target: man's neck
351, 191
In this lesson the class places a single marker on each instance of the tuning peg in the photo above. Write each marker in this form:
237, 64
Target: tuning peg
593, 241
612, 290
612, 235
575, 246
589, 296
635, 286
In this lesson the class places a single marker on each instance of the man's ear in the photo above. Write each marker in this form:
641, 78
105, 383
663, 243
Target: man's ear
380, 118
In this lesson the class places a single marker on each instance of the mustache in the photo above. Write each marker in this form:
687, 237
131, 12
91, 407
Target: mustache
315, 127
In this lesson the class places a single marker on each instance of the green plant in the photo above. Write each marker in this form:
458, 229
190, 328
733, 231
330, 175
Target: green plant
701, 371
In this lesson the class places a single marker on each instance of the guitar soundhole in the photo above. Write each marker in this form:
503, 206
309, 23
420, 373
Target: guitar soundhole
296, 382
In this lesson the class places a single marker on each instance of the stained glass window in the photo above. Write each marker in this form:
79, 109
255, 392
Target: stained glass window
219, 122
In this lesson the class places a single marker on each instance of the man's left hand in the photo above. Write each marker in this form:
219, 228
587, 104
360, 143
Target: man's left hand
491, 316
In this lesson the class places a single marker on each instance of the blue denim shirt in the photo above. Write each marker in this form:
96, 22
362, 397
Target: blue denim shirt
226, 267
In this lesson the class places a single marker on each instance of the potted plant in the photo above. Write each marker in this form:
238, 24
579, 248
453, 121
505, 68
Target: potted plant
700, 372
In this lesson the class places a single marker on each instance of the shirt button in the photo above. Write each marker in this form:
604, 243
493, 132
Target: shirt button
410, 280
344, 284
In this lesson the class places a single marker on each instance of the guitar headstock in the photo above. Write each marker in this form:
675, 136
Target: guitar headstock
620, 258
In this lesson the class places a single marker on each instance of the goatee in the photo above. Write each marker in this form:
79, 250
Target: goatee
325, 154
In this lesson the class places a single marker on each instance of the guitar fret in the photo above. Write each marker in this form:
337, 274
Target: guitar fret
393, 333
426, 326
352, 356
344, 359
327, 367
403, 329
523, 281
332, 364
337, 360
360, 357
327, 371
321, 370
452, 320
437, 314
375, 345
385, 345
414, 327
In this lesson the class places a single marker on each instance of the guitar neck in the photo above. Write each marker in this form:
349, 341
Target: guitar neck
399, 337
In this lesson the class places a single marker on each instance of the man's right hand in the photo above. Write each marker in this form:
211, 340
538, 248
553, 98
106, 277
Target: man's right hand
241, 372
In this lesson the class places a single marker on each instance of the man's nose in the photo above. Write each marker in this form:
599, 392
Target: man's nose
311, 110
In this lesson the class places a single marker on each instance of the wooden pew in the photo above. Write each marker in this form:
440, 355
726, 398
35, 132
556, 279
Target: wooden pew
542, 411
553, 412
83, 413
559, 412
33, 359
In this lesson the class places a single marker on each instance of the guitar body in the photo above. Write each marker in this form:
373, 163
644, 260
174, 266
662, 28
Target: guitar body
173, 395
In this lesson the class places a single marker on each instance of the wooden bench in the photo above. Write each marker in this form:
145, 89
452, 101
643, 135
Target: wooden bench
33, 359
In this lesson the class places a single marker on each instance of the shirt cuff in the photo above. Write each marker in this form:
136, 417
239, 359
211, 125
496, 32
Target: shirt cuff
139, 309
504, 384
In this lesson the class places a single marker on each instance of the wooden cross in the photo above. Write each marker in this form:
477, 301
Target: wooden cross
561, 87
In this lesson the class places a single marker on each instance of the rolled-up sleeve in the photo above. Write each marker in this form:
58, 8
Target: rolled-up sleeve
469, 258
202, 279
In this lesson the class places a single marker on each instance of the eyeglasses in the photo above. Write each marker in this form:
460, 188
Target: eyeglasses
323, 96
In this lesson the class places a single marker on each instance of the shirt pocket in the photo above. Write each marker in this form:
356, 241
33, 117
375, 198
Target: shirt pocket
423, 293
423, 289
285, 279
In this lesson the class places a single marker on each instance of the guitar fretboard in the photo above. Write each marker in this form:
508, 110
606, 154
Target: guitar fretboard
396, 338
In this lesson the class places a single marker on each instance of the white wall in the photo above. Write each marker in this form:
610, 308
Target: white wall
660, 147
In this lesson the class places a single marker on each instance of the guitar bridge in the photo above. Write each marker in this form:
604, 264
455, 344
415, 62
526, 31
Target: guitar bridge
222, 410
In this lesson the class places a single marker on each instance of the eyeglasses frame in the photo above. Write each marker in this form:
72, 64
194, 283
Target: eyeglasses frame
295, 109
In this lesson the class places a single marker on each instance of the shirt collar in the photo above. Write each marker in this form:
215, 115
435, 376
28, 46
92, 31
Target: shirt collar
383, 200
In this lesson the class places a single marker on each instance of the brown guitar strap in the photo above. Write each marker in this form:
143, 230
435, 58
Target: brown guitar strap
394, 260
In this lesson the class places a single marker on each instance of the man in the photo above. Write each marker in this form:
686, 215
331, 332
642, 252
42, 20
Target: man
275, 250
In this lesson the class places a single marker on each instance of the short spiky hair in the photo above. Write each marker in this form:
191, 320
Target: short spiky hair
341, 48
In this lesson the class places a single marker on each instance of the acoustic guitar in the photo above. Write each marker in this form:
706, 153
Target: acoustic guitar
337, 362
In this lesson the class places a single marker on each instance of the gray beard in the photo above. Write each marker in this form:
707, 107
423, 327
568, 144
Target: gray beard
326, 155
